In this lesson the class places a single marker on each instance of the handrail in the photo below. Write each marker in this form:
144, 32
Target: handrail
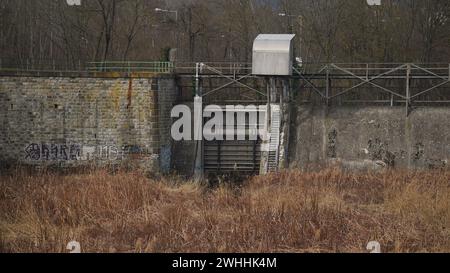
9, 65
131, 66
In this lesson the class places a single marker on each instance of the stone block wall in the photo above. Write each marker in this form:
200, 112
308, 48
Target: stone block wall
79, 121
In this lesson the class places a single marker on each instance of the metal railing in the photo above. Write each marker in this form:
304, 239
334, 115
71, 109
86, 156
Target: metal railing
407, 83
130, 67
367, 70
227, 68
396, 83
378, 82
41, 66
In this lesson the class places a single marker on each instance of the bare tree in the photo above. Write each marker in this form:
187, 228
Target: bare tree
327, 30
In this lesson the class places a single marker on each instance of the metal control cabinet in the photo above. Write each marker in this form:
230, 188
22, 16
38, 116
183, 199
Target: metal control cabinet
273, 55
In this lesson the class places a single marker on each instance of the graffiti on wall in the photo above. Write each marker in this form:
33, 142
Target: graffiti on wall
52, 152
78, 152
332, 143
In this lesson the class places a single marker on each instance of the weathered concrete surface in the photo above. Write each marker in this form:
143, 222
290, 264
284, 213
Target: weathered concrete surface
357, 135
79, 121
185, 151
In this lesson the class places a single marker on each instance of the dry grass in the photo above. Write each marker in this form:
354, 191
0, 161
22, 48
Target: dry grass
295, 211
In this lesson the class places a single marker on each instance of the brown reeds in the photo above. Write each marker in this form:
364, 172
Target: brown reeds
292, 211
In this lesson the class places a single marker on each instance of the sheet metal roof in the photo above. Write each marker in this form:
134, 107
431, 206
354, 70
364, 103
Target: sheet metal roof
280, 43
273, 55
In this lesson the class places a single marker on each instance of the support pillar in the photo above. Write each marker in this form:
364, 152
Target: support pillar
265, 147
198, 126
272, 95
285, 105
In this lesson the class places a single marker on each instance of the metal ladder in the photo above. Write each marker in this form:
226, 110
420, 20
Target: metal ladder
274, 145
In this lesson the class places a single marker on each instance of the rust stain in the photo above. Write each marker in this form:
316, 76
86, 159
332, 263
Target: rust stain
115, 96
130, 92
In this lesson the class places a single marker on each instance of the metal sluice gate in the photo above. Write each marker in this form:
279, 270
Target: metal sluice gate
241, 154
236, 151
232, 156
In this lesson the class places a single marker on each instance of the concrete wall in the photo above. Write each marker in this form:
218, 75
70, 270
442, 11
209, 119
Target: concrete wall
167, 97
83, 121
355, 135
184, 152
79, 121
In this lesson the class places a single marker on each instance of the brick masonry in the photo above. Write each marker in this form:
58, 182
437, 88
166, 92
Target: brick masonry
79, 121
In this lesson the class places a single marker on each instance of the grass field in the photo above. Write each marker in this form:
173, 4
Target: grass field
293, 211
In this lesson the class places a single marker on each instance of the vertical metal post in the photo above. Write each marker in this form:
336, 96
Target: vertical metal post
197, 79
408, 91
264, 167
285, 107
198, 128
273, 90
327, 91
198, 137
367, 72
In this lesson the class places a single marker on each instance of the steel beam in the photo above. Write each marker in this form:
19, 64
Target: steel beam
364, 81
